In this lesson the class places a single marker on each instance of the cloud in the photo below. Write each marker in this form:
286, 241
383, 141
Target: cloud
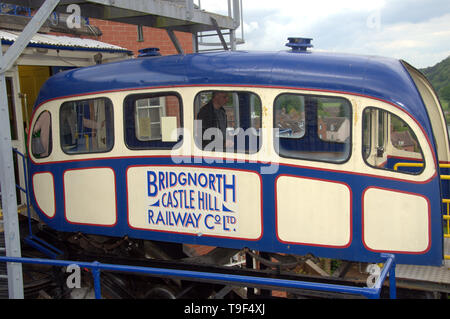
251, 27
413, 11
421, 44
414, 30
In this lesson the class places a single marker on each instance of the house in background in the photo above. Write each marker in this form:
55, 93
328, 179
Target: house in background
334, 129
403, 140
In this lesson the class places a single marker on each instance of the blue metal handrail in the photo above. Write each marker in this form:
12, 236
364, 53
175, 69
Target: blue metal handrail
31, 239
371, 293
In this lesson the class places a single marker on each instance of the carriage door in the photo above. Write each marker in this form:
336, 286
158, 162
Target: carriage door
89, 190
396, 217
313, 207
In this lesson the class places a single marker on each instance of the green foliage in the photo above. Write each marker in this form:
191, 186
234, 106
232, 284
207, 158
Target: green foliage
290, 102
445, 93
439, 76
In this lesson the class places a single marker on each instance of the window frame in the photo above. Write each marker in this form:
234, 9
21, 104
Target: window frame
50, 135
112, 129
161, 107
319, 96
234, 97
370, 144
132, 98
388, 140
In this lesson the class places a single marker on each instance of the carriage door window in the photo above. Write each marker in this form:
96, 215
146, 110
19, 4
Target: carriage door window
148, 118
86, 126
312, 127
227, 121
41, 136
389, 143
152, 121
375, 135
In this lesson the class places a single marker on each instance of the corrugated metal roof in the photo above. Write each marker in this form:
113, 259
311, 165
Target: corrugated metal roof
62, 42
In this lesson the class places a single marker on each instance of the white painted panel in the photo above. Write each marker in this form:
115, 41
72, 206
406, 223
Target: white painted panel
44, 192
191, 200
90, 196
395, 221
315, 212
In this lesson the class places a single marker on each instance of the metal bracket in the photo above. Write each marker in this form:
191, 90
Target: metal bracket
175, 41
219, 33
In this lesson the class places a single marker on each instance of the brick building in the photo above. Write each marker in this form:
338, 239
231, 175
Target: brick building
134, 37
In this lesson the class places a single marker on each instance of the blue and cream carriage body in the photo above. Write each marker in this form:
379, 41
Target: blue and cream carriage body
317, 137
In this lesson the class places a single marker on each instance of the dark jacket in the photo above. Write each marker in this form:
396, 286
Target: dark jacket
209, 119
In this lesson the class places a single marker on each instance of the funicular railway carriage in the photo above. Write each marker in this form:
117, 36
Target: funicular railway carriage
117, 150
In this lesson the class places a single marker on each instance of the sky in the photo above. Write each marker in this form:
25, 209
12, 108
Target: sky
417, 31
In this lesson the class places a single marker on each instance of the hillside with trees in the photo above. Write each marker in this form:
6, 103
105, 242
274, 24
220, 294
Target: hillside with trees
439, 76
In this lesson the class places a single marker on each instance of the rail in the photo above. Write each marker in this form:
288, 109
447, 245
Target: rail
447, 221
234, 12
446, 201
31, 239
228, 279
397, 165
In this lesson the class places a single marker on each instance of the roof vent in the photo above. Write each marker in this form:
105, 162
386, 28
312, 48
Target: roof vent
299, 44
149, 52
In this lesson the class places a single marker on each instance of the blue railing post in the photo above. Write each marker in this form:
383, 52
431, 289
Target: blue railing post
25, 190
390, 266
96, 275
392, 284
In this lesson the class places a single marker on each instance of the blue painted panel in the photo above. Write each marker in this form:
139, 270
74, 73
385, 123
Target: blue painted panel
268, 242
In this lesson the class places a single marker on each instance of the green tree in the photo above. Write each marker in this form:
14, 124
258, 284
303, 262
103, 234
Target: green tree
445, 93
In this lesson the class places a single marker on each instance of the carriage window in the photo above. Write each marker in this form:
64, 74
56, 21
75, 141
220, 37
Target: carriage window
389, 143
312, 127
227, 121
290, 115
152, 121
41, 138
86, 126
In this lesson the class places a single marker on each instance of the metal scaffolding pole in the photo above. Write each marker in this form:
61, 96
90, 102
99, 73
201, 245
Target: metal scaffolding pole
171, 17
7, 179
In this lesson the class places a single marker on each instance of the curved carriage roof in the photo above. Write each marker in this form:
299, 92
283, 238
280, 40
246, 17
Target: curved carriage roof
378, 77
